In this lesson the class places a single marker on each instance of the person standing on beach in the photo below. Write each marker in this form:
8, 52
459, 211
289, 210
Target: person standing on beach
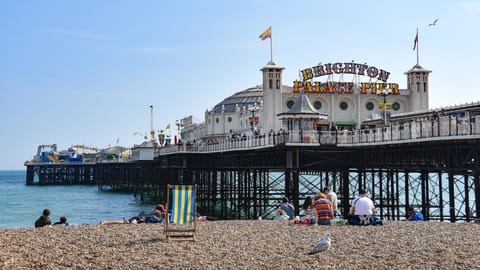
332, 197
44, 219
288, 208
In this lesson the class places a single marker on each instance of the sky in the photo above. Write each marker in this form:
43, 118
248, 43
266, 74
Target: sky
86, 72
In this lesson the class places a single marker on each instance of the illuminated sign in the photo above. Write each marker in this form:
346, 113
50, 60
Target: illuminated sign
355, 69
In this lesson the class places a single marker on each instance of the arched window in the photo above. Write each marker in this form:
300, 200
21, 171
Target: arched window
270, 84
278, 84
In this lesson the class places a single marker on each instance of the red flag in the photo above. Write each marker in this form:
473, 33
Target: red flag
415, 42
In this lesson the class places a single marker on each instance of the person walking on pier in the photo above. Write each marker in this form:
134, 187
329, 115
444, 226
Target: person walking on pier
44, 219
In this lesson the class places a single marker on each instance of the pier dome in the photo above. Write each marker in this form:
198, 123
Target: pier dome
243, 98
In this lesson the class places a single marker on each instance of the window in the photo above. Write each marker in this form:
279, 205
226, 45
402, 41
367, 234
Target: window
317, 105
343, 105
278, 84
369, 106
396, 106
229, 119
217, 120
270, 84
290, 104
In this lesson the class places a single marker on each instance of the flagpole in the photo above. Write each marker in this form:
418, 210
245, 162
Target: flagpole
417, 48
271, 51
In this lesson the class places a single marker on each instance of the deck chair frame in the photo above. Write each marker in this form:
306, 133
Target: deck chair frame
181, 221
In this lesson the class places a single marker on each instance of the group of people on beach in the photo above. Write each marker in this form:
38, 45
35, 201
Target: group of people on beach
157, 215
322, 209
44, 220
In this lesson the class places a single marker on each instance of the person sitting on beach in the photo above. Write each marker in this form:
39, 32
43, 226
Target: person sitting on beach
332, 197
62, 221
322, 209
156, 215
288, 208
44, 219
110, 222
307, 208
281, 215
414, 214
362, 209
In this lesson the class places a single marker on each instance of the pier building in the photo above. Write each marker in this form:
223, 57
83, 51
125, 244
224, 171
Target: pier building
345, 93
275, 140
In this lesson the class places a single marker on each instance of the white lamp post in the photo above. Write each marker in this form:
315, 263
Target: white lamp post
253, 108
384, 93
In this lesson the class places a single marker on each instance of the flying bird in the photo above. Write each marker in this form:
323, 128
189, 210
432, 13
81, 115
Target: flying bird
434, 23
323, 245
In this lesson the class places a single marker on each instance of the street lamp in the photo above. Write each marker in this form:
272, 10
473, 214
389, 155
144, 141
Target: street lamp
179, 124
384, 94
253, 120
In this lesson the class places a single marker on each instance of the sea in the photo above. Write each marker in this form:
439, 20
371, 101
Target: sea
21, 205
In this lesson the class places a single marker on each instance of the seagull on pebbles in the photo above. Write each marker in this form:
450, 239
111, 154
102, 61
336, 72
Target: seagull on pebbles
323, 245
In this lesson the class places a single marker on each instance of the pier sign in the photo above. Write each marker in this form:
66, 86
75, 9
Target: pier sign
307, 85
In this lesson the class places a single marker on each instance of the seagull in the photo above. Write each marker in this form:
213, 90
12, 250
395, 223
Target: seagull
434, 23
323, 245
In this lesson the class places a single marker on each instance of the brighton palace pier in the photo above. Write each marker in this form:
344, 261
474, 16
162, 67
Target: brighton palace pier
342, 125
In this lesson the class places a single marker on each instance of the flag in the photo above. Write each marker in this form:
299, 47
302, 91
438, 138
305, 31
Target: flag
415, 42
167, 127
266, 34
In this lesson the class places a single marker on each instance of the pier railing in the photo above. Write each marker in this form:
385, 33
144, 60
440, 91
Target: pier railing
441, 128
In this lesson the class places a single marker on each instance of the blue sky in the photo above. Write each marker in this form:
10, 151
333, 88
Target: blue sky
86, 72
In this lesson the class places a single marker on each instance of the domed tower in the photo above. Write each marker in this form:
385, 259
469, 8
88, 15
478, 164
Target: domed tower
417, 83
272, 96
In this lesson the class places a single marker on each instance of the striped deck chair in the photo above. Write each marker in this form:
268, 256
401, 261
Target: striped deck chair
181, 222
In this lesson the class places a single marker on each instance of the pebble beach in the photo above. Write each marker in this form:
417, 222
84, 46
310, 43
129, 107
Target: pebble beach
251, 244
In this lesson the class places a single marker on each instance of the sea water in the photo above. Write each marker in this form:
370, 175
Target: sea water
21, 205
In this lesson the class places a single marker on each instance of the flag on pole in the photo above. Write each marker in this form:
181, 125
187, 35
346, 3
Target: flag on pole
415, 42
167, 127
266, 34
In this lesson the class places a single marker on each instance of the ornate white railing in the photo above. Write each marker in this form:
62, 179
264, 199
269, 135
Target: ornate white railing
441, 128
